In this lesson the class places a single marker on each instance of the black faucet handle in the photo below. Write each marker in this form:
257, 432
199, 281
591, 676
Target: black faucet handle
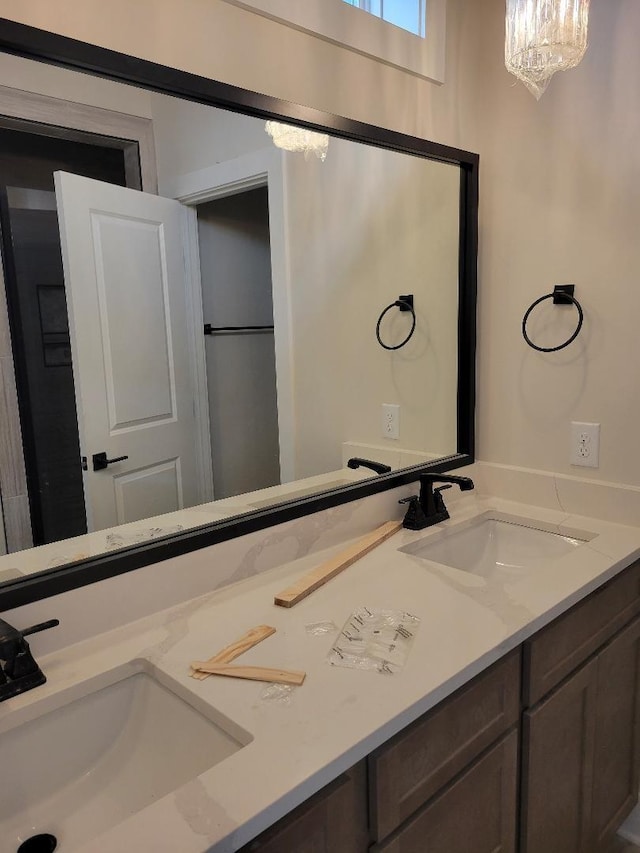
41, 626
415, 518
19, 671
439, 500
23, 664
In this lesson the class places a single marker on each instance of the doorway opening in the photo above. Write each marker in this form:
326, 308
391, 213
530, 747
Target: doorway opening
237, 300
37, 311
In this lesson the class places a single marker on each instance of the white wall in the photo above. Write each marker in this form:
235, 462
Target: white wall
29, 76
224, 42
560, 202
190, 137
363, 227
559, 178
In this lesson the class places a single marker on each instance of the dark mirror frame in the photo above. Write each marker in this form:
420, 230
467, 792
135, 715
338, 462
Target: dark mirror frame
48, 47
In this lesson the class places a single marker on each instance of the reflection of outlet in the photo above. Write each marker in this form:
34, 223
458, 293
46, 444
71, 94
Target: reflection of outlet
585, 444
390, 420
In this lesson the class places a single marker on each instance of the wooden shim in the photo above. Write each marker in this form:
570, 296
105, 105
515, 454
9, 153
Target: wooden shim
253, 673
316, 578
229, 653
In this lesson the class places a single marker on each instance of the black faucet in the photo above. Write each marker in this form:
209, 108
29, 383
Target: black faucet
18, 670
428, 507
378, 467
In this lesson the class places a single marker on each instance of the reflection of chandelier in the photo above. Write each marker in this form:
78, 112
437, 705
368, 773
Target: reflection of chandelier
544, 36
298, 139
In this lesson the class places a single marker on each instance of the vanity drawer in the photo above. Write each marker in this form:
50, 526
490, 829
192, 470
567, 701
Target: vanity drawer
410, 768
477, 812
568, 641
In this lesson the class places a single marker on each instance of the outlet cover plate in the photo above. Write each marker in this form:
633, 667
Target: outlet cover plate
585, 444
391, 420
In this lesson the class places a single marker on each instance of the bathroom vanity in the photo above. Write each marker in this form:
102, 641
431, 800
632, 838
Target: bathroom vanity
512, 723
539, 753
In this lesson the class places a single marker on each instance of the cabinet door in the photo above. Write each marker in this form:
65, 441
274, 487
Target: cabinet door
410, 768
332, 821
557, 767
555, 651
477, 812
617, 754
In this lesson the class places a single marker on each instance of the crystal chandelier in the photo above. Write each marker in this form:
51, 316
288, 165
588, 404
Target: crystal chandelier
298, 139
542, 37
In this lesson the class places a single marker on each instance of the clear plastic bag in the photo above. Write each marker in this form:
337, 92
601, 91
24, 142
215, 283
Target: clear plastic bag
122, 540
378, 640
277, 694
321, 629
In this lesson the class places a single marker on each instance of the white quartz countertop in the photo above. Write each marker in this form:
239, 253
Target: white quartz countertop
339, 715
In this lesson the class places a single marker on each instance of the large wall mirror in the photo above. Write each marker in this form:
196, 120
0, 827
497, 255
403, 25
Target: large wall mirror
201, 333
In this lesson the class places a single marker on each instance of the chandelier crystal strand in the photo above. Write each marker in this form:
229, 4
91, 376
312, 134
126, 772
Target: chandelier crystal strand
298, 139
542, 37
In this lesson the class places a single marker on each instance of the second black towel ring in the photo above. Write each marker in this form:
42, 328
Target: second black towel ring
404, 303
562, 295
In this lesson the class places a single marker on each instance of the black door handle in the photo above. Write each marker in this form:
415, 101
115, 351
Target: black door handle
100, 461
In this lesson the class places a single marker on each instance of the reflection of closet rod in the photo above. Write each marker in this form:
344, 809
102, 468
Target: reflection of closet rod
215, 330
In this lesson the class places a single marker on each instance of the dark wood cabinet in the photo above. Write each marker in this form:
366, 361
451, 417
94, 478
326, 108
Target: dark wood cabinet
332, 821
616, 767
557, 650
557, 765
549, 765
580, 753
448, 779
478, 811
413, 766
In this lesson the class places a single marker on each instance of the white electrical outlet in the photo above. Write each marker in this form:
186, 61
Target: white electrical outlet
585, 444
390, 420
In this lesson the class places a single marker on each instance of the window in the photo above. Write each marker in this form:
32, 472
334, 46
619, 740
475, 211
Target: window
409, 15
407, 34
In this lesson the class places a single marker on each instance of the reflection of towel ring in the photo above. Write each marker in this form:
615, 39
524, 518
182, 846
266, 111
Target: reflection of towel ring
562, 295
404, 303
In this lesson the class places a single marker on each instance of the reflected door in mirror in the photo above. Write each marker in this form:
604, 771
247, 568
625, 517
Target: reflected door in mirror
124, 276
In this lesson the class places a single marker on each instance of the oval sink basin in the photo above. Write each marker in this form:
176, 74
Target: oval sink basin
492, 546
79, 770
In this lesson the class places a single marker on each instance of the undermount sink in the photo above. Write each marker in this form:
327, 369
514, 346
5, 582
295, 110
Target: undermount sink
78, 770
492, 546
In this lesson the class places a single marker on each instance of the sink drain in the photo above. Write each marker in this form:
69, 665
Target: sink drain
43, 843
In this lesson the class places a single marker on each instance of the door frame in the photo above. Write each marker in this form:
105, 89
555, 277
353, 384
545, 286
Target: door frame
37, 113
265, 167
40, 114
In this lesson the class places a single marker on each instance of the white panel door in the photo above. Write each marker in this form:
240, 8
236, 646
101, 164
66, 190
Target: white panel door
126, 297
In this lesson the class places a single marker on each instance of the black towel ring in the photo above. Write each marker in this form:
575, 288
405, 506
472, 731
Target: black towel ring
404, 303
562, 295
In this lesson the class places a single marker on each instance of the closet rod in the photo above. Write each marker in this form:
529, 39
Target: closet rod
214, 330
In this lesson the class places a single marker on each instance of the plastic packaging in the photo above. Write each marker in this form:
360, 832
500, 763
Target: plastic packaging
277, 694
121, 540
377, 640
320, 629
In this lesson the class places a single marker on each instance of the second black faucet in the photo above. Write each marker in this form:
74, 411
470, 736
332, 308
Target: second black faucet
428, 507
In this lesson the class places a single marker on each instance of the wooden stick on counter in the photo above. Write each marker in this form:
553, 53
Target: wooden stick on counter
253, 673
316, 578
229, 653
